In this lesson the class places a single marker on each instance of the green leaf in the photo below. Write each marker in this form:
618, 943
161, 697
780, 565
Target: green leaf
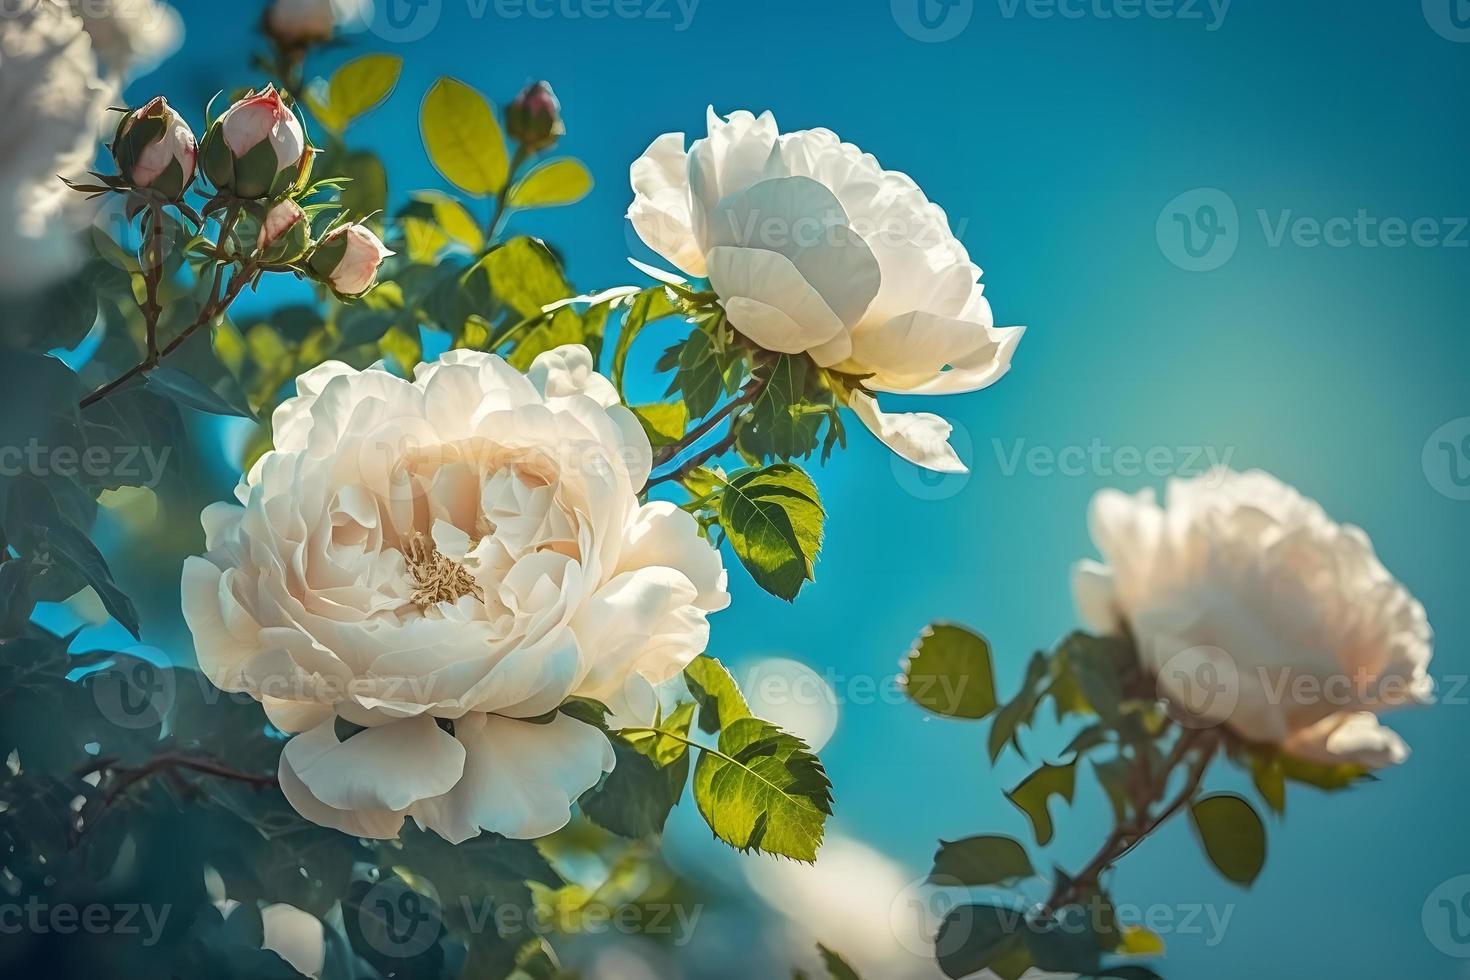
1269, 775
949, 672
649, 305
773, 517
764, 790
1066, 942
523, 275
1019, 710
1036, 791
1087, 672
719, 698
1232, 834
1138, 941
664, 422
552, 184
1114, 775
635, 799
454, 219
777, 425
837, 967
358, 87
977, 861
69, 546
463, 138
225, 398
702, 372
1322, 776
982, 937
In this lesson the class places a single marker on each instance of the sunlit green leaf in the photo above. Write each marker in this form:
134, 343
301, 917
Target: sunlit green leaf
553, 183
463, 138
764, 790
719, 698
773, 518
356, 88
1034, 794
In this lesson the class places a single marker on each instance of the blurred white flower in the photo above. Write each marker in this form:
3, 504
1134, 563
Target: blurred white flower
296, 936
130, 37
814, 248
59, 72
1256, 610
856, 902
436, 565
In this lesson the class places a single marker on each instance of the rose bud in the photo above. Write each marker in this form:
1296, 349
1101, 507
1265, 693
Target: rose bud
284, 234
347, 259
534, 117
299, 23
257, 148
155, 149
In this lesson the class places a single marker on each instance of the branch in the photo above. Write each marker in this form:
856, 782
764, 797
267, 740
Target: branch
1129, 834
748, 394
170, 765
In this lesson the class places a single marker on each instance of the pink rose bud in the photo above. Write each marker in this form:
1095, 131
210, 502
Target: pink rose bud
348, 259
283, 233
257, 147
534, 117
298, 23
155, 149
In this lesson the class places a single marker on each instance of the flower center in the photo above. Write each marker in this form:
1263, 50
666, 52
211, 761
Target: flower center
437, 578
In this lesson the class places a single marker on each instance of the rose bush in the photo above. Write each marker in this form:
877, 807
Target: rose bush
813, 248
440, 563
1240, 580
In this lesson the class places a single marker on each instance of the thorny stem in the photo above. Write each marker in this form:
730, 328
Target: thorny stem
1130, 833
215, 306
172, 766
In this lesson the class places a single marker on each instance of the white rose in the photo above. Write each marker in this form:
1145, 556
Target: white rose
445, 561
813, 248
1254, 609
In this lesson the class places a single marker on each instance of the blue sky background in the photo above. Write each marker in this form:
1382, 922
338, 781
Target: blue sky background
1055, 144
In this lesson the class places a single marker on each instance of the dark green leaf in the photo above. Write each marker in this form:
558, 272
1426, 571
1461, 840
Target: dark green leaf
773, 517
1232, 834
1019, 710
778, 424
949, 672
837, 968
1036, 791
977, 861
980, 937
193, 393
